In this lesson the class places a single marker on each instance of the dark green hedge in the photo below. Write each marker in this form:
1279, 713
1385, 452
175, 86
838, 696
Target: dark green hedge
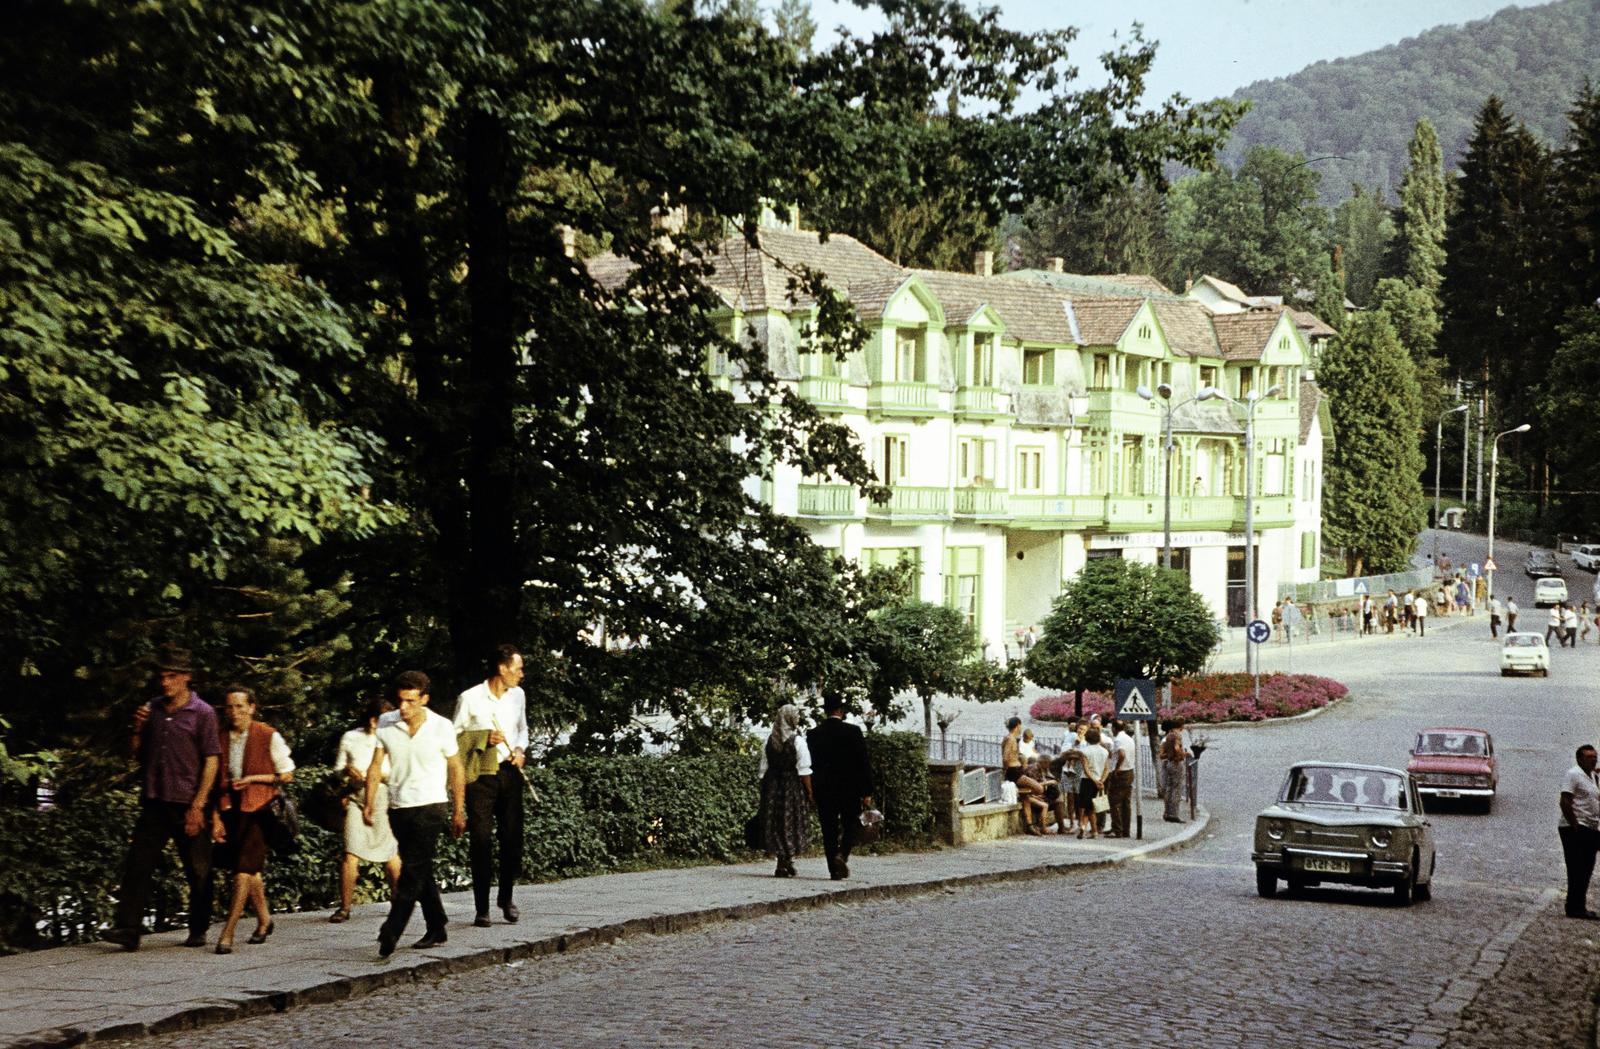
59, 867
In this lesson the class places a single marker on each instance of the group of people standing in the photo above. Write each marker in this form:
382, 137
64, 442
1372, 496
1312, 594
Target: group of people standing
410, 774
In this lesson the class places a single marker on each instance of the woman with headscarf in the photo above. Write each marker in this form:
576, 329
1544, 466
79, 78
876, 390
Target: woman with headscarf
785, 790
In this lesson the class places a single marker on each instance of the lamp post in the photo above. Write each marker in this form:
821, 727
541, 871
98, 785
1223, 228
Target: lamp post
1251, 399
1205, 393
1438, 459
1494, 470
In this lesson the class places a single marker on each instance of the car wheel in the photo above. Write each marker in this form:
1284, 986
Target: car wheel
1424, 890
1488, 805
1545, 672
1406, 889
1266, 883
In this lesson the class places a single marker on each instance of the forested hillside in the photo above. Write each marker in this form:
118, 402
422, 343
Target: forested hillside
1364, 108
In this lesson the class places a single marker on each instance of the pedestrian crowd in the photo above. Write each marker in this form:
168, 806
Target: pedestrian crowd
213, 787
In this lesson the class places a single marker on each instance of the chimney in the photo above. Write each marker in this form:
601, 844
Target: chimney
983, 263
1057, 264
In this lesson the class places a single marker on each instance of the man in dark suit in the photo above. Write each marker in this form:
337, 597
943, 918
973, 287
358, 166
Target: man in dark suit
842, 781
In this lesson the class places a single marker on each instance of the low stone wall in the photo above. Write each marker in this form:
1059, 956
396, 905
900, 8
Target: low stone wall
958, 824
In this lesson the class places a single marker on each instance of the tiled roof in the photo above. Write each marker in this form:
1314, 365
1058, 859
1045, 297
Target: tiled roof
1311, 324
1188, 326
1102, 321
1031, 312
1228, 291
1116, 285
1243, 336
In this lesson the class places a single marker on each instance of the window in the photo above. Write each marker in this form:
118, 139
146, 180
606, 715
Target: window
1274, 474
1030, 470
906, 558
1144, 332
906, 364
1208, 375
1247, 382
975, 462
1308, 550
963, 578
896, 450
1038, 367
980, 369
1100, 372
1133, 482
1163, 370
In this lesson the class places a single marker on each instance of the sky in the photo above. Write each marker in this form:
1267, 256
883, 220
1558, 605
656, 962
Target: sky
1210, 48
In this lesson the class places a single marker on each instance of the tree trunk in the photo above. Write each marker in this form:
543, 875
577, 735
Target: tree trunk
1077, 703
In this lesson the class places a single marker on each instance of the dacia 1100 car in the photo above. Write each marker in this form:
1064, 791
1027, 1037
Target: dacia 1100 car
1455, 763
1349, 825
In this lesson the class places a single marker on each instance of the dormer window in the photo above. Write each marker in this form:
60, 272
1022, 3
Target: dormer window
980, 367
1038, 367
907, 363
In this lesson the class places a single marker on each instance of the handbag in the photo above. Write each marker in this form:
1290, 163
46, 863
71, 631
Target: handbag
1102, 803
871, 826
283, 823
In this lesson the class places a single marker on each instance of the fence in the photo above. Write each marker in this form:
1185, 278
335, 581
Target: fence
1331, 591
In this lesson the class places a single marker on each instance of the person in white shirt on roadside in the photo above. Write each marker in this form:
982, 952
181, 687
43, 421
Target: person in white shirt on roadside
1420, 610
1580, 831
494, 803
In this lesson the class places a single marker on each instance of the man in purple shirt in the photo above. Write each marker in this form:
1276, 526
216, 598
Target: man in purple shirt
176, 741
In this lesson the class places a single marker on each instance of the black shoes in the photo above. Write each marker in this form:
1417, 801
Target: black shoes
785, 869
195, 939
482, 921
386, 942
260, 935
1590, 916
839, 869
430, 939
511, 912
127, 939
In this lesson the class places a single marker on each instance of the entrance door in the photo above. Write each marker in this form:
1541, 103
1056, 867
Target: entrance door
1238, 595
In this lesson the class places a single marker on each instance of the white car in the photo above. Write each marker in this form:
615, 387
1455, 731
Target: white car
1524, 653
1547, 592
1587, 557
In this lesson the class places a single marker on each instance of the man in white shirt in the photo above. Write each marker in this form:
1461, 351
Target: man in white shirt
424, 779
1119, 785
1511, 614
1419, 607
1580, 831
498, 705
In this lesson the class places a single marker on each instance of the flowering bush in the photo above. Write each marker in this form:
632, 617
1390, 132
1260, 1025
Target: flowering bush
1209, 698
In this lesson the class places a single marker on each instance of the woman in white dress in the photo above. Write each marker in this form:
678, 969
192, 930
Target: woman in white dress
374, 843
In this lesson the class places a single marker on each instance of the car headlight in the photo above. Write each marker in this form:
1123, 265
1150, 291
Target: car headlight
1275, 830
1381, 838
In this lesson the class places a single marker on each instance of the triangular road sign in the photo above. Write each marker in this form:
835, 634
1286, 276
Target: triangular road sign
1361, 586
1135, 705
1490, 566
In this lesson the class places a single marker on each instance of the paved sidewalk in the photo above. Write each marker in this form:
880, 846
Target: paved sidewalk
97, 992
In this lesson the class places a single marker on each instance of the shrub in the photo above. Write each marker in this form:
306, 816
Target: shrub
59, 867
1210, 698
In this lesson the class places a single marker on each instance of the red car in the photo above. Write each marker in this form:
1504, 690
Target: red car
1455, 763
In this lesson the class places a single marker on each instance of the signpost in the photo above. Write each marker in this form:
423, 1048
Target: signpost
1135, 701
1257, 633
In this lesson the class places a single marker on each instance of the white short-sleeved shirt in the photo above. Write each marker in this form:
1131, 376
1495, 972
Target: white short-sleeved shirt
356, 747
1095, 759
282, 763
1585, 797
1124, 746
478, 709
802, 756
419, 766
1421, 605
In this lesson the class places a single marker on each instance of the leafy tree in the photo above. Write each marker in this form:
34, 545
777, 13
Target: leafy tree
1420, 217
1578, 165
1259, 227
1329, 293
1567, 395
1373, 507
1121, 232
1122, 619
1362, 229
930, 649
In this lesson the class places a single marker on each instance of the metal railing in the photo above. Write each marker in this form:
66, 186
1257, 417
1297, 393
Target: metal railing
1328, 591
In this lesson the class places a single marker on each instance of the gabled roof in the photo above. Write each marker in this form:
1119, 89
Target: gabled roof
1103, 321
1140, 281
1244, 336
1117, 285
1031, 313
1232, 292
1188, 326
1310, 325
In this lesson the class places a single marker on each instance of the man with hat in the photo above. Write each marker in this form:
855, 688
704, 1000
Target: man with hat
176, 742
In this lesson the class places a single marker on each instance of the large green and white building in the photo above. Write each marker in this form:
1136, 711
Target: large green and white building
1002, 411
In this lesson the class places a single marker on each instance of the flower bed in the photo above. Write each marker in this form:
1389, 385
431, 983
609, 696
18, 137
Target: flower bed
1210, 698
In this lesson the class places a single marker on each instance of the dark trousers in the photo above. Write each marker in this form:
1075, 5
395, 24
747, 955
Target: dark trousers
1119, 789
839, 818
495, 801
160, 822
1553, 630
417, 831
1577, 848
1494, 626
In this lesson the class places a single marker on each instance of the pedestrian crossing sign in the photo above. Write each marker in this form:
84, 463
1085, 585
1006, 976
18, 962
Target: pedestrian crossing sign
1361, 586
1490, 566
1136, 699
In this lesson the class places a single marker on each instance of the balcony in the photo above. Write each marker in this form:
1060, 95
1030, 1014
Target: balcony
982, 502
980, 402
1272, 511
912, 399
828, 502
912, 503
824, 391
1057, 511
1127, 410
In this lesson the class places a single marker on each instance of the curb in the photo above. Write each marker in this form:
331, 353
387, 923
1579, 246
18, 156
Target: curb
386, 976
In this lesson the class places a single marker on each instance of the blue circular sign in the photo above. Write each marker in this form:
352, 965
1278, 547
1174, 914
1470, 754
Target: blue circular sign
1258, 631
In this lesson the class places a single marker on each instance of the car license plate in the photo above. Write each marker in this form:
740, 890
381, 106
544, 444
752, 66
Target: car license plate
1327, 866
1447, 793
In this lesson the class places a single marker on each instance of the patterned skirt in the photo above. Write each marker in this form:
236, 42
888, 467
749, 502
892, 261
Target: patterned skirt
784, 813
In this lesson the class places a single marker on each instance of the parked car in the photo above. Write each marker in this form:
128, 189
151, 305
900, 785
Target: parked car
1524, 652
1347, 824
1547, 592
1455, 763
1541, 563
1587, 557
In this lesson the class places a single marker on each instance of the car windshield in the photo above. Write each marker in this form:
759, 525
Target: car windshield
1524, 641
1464, 743
1338, 785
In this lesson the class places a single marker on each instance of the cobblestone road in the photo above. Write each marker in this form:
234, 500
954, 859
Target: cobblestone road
1176, 949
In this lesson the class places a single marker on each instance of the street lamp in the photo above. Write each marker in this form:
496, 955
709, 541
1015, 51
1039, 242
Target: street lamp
1206, 393
1494, 470
1438, 459
1251, 399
